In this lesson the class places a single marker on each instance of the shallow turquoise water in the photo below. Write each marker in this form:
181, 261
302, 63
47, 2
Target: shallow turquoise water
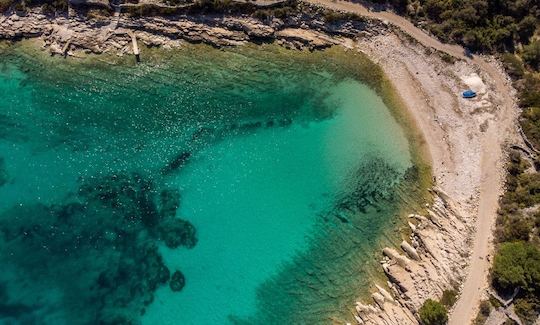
264, 178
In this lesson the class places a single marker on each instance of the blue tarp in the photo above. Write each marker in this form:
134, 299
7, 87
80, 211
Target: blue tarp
469, 94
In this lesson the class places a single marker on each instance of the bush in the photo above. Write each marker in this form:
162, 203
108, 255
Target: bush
479, 24
531, 54
448, 58
483, 313
449, 298
527, 310
331, 16
433, 313
530, 123
529, 91
513, 228
517, 265
485, 308
513, 65
526, 28
5, 4
522, 188
281, 13
261, 14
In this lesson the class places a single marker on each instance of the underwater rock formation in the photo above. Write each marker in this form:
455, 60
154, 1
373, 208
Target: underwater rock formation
371, 187
98, 249
176, 163
178, 281
169, 200
3, 172
10, 129
177, 232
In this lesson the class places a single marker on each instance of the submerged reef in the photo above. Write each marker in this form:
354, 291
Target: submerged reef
372, 185
97, 250
176, 163
3, 172
178, 281
374, 191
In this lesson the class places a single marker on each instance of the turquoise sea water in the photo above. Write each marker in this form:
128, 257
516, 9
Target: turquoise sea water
199, 187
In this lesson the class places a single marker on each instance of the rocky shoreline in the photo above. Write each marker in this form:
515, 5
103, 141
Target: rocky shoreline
435, 257
68, 35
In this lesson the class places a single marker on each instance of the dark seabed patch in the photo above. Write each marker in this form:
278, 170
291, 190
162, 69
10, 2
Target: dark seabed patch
3, 172
99, 248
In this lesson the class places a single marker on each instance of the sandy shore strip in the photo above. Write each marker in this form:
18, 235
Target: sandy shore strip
464, 138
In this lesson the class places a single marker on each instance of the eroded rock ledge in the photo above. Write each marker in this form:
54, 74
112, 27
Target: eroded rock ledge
67, 35
431, 261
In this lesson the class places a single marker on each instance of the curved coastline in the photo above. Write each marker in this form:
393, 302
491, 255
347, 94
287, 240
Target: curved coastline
364, 71
382, 47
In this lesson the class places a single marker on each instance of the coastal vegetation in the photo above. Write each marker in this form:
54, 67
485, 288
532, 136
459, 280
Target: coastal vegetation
508, 29
480, 25
516, 266
48, 7
483, 313
433, 313
5, 4
449, 298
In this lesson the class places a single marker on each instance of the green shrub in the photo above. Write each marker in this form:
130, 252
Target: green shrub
485, 308
527, 310
513, 228
261, 14
483, 312
517, 265
277, 12
283, 12
494, 302
529, 91
479, 24
531, 54
449, 297
5, 4
331, 16
448, 58
530, 123
20, 7
433, 313
526, 28
513, 65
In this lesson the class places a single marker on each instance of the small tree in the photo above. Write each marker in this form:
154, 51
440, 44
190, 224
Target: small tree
433, 313
531, 54
517, 265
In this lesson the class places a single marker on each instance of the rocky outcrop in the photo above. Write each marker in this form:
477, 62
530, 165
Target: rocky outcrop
178, 281
437, 260
305, 38
66, 36
3, 172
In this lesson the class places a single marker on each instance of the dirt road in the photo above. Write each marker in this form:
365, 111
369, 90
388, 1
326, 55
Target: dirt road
499, 130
